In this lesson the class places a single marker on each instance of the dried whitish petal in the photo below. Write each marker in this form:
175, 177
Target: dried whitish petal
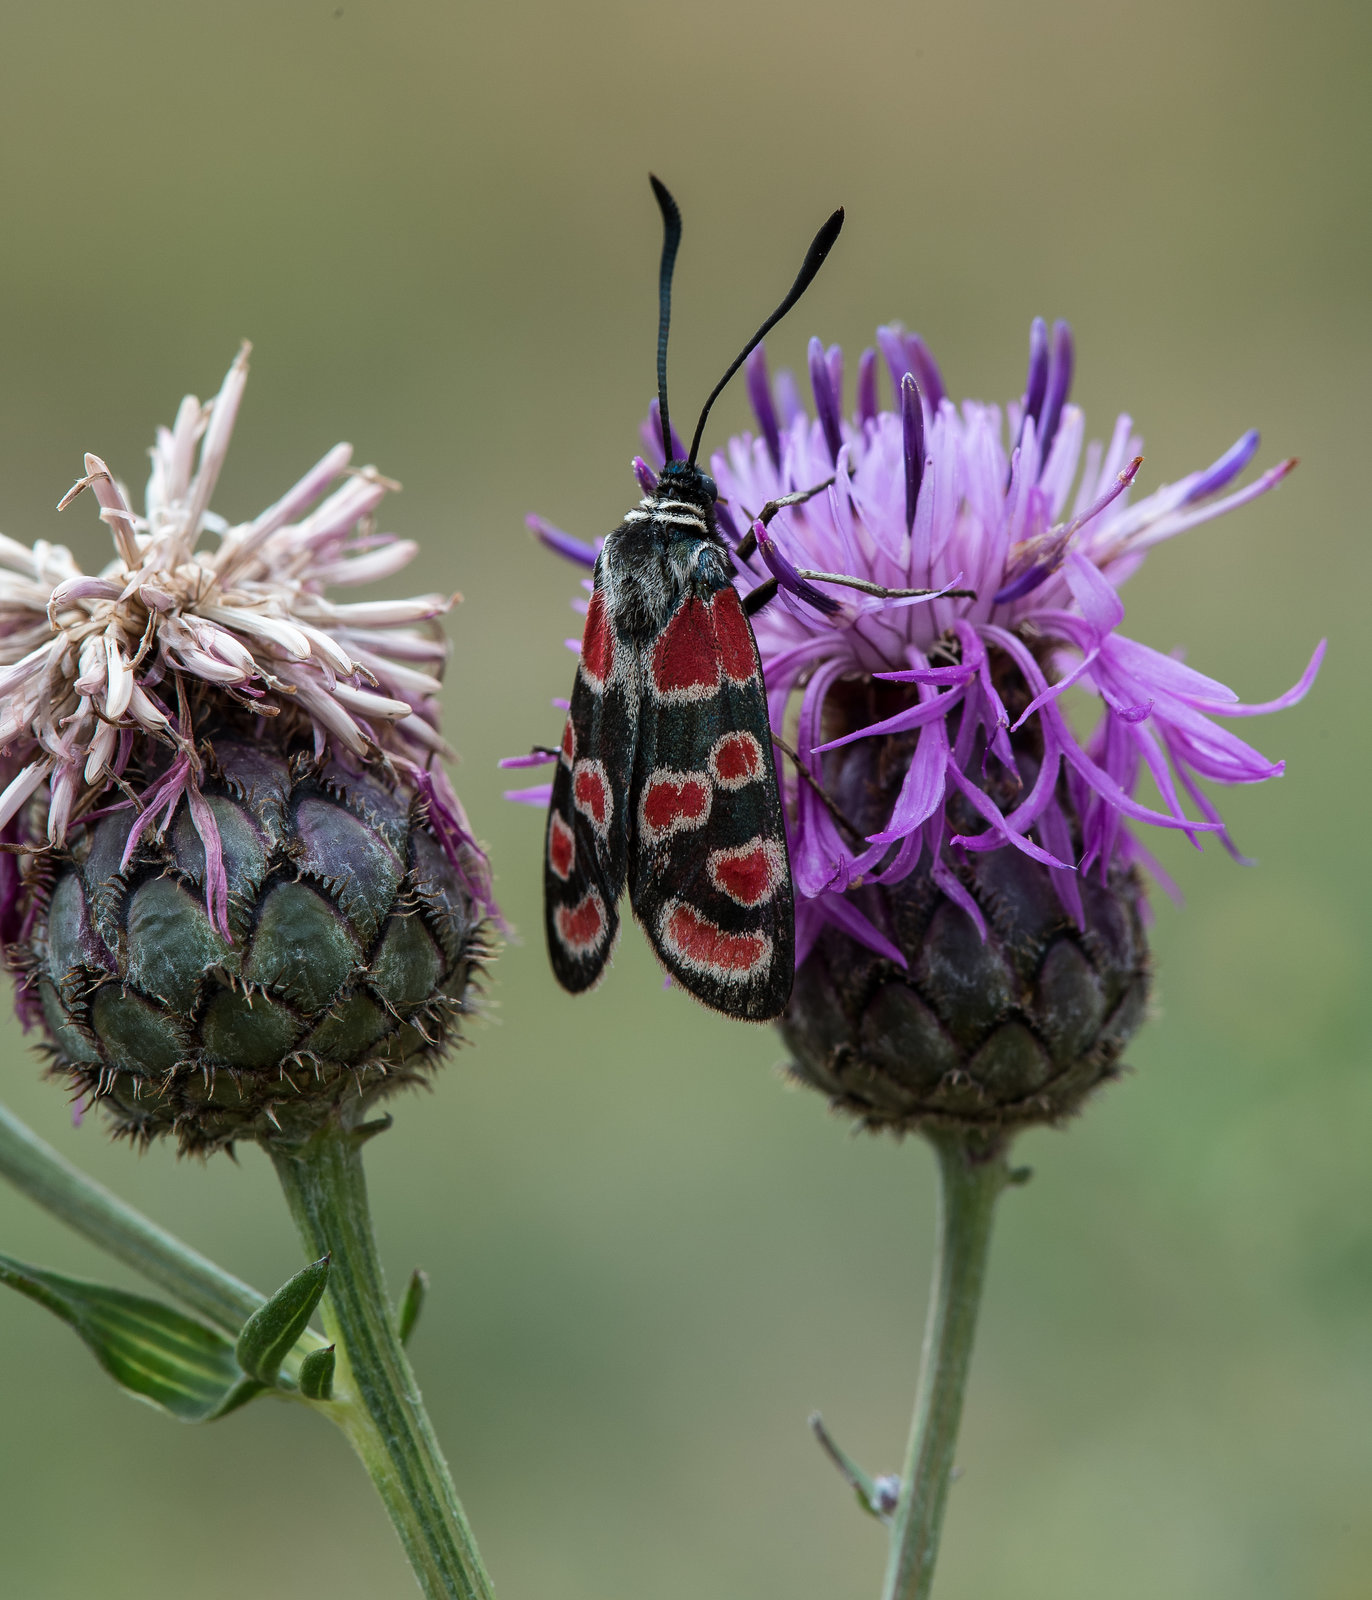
191, 605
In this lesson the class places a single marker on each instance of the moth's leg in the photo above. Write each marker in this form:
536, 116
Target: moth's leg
879, 589
748, 543
827, 800
755, 599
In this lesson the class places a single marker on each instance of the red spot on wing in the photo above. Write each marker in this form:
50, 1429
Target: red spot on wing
737, 653
685, 658
581, 927
591, 793
597, 643
736, 759
673, 801
750, 873
561, 847
569, 742
700, 943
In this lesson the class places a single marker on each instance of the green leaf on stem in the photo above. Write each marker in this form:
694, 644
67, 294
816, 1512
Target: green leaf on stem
316, 1374
161, 1355
269, 1333
413, 1303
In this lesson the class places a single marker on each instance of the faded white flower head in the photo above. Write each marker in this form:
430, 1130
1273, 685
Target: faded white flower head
94, 666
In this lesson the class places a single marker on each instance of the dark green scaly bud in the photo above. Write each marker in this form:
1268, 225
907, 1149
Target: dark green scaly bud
353, 945
986, 1034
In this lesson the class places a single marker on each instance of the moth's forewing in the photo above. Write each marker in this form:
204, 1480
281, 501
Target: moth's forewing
709, 876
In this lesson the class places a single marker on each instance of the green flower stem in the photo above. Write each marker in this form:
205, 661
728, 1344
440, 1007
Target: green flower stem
376, 1400
47, 1178
970, 1182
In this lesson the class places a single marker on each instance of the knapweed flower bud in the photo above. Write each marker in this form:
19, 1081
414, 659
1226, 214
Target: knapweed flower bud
238, 890
970, 945
994, 1005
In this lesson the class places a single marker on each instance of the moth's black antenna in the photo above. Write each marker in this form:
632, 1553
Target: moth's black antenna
671, 238
820, 247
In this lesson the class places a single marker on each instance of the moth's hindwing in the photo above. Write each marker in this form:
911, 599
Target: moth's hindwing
709, 876
586, 847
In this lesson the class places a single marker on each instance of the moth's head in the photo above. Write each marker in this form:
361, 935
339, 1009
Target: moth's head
684, 480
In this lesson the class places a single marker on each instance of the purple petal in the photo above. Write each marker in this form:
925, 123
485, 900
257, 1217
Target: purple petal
1122, 481
1208, 810
787, 576
1223, 471
1109, 791
647, 478
216, 879
819, 858
1026, 583
974, 655
950, 675
788, 399
1170, 524
912, 436
165, 794
1124, 711
1132, 850
988, 809
1094, 593
1095, 777
947, 879
760, 393
562, 543
1166, 675
540, 795
1056, 834
902, 722
1060, 367
725, 518
1293, 695
781, 670
926, 369
1036, 383
845, 916
891, 343
535, 758
923, 787
826, 401
449, 821
867, 388
833, 359
810, 922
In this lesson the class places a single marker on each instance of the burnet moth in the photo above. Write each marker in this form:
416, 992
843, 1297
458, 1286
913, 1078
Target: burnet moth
666, 781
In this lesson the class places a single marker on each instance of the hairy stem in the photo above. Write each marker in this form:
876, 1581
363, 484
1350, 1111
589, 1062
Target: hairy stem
376, 1400
970, 1181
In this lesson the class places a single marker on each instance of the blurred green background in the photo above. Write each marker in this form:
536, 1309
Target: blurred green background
650, 1259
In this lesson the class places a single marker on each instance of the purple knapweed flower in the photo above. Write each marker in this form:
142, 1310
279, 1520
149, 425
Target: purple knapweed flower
931, 730
928, 494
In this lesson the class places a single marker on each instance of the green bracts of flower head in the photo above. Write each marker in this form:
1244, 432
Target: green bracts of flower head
353, 943
985, 1034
